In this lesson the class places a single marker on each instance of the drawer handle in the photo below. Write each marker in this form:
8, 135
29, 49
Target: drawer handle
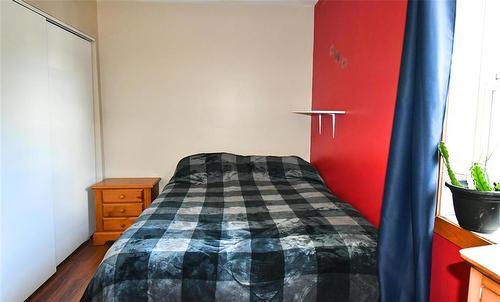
122, 196
122, 225
122, 210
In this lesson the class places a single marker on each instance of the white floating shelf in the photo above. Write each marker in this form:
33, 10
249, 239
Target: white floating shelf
319, 113
312, 112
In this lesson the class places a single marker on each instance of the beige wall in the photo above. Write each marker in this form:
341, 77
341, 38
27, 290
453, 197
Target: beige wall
80, 14
178, 79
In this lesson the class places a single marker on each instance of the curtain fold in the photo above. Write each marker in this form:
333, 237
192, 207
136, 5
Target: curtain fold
407, 222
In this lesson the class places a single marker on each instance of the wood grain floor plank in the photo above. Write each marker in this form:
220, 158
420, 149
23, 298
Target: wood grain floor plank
72, 275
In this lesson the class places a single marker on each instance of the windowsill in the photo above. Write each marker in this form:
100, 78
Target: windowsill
448, 228
493, 237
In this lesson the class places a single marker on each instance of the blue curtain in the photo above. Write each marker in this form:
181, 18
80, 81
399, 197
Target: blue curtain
407, 222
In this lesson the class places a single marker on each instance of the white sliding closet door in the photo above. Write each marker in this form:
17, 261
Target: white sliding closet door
72, 137
26, 215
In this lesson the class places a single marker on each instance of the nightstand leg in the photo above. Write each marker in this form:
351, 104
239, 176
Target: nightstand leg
474, 286
98, 240
102, 238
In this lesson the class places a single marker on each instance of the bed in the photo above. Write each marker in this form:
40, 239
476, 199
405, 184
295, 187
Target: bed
242, 228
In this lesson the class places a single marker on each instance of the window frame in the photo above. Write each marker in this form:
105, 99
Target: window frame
489, 87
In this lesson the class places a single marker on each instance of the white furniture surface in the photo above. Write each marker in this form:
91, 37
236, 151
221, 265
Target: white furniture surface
47, 148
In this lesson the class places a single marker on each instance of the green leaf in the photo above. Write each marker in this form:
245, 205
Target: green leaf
444, 154
497, 186
480, 178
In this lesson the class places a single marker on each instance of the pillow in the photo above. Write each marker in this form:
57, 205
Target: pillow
212, 167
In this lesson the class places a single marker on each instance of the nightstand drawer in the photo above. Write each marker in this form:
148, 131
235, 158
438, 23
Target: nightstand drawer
118, 203
122, 209
129, 195
117, 224
488, 296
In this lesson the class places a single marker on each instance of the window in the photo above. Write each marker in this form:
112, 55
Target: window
472, 131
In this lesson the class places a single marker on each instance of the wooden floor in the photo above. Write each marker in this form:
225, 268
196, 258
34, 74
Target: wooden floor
72, 276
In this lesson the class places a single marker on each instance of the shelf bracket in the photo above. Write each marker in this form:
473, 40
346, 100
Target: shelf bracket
333, 125
319, 123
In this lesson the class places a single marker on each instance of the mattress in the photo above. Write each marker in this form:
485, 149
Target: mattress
242, 228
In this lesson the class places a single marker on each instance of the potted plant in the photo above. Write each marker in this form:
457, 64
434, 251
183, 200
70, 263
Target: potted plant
477, 207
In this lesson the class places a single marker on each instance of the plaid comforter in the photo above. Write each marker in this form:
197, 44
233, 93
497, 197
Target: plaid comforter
242, 228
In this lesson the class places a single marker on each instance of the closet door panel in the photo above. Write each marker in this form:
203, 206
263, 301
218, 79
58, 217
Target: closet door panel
72, 133
26, 212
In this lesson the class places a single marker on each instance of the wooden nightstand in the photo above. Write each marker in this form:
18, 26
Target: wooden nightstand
118, 202
484, 273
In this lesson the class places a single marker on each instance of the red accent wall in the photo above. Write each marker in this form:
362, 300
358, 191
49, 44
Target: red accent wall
449, 275
369, 35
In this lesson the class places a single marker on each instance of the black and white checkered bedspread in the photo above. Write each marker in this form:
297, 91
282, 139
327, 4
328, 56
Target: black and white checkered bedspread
242, 228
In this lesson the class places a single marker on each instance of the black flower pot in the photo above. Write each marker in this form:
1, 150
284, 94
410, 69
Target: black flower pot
476, 211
